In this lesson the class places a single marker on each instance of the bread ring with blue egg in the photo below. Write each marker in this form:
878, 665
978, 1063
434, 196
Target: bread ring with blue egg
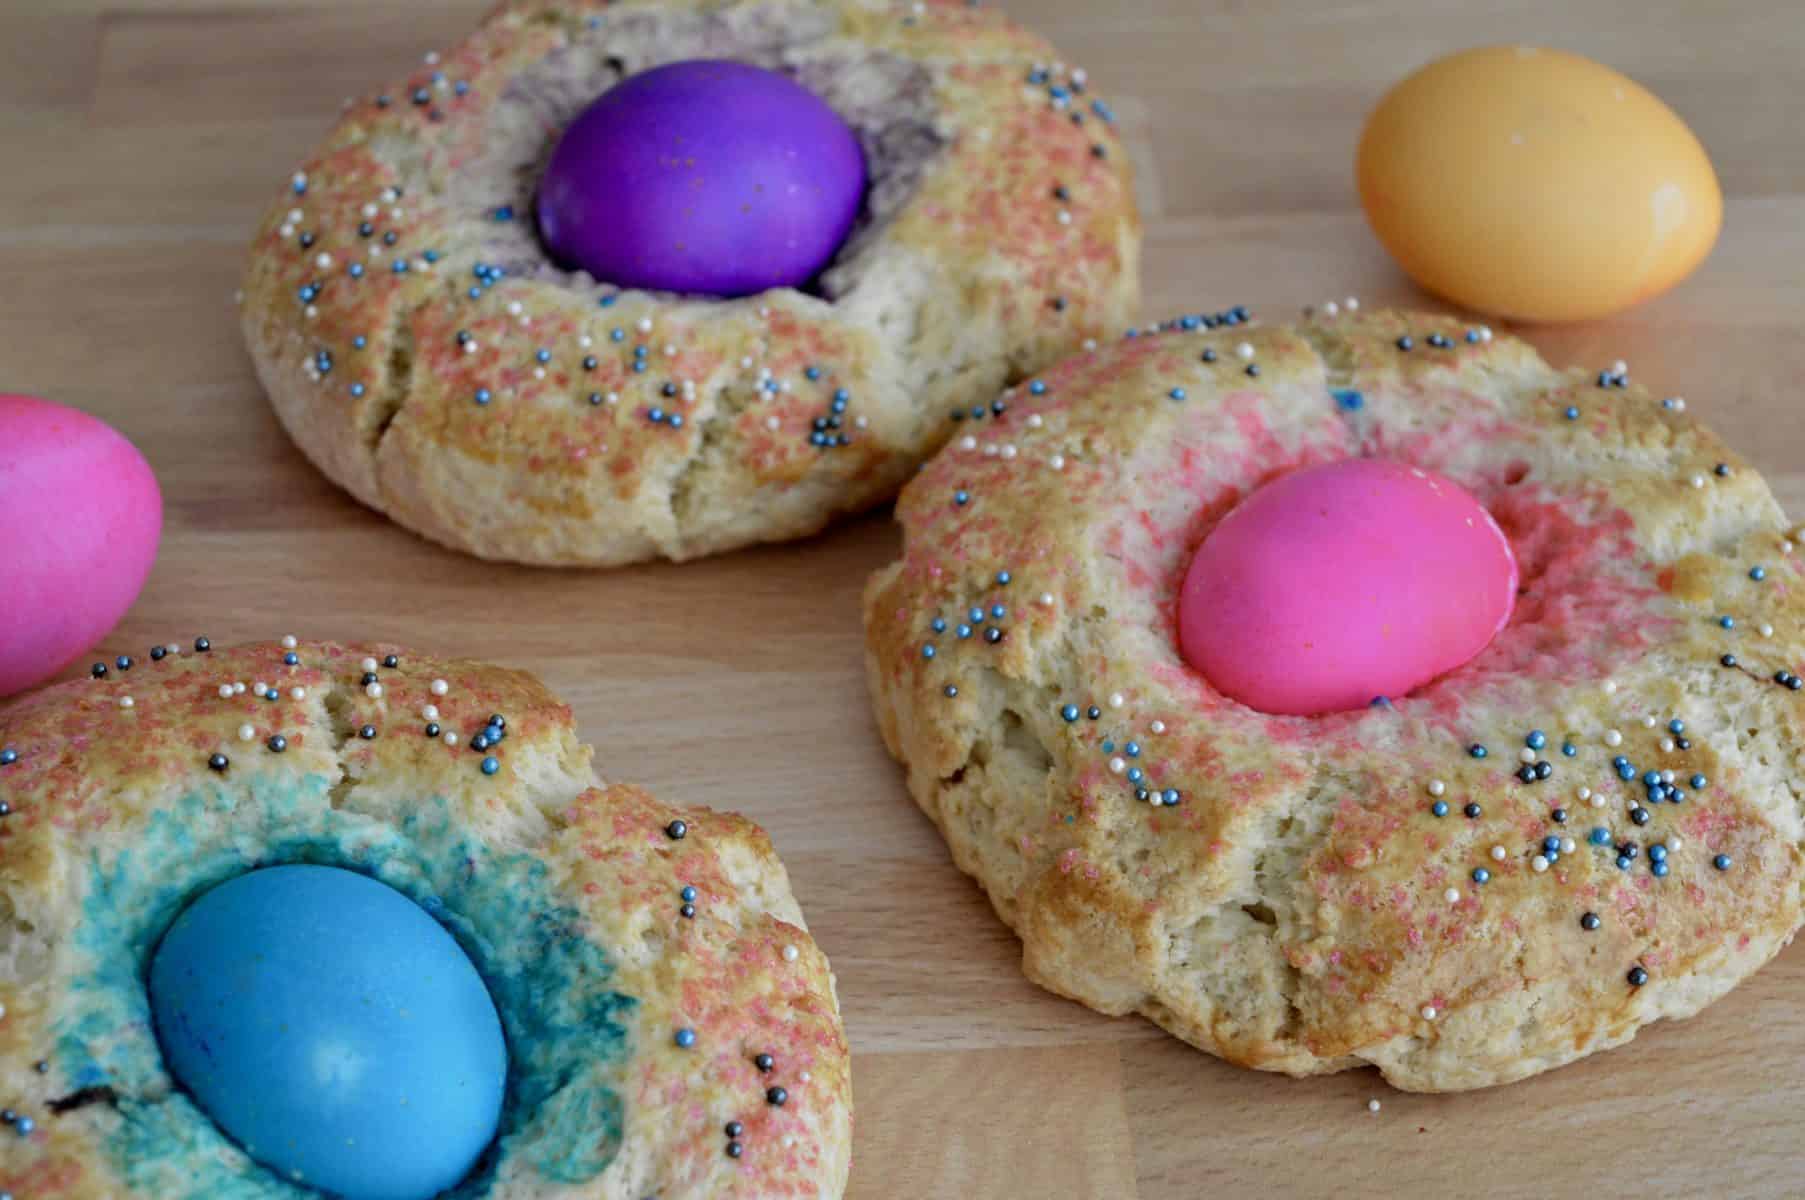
670, 1027
1523, 858
424, 350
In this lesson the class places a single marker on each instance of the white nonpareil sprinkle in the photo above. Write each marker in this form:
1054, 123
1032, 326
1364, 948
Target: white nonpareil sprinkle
246, 733
1437, 787
1540, 863
1452, 895
126, 702
439, 687
1372, 1106
1526, 755
258, 688
968, 442
1766, 629
299, 693
1244, 349
373, 691
1499, 853
238, 689
450, 738
1034, 421
1648, 722
368, 664
771, 424
1057, 462
430, 712
1117, 700
225, 691
1610, 687
790, 953
1667, 745
1352, 304
1158, 727
289, 642
1429, 1012
1613, 738
1698, 481
1046, 599
1118, 764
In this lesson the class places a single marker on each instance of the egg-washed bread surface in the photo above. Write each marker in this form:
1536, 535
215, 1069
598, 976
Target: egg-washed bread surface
1404, 885
422, 350
636, 1033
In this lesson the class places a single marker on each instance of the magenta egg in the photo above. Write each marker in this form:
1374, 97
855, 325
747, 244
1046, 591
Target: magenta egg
702, 176
1333, 586
83, 517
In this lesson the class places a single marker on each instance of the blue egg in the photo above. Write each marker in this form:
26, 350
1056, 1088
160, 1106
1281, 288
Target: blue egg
334, 1030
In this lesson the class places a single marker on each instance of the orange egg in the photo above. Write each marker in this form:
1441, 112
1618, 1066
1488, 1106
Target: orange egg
1536, 184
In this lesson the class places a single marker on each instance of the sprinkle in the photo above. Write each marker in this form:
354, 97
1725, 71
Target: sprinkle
1372, 1106
790, 954
1721, 862
491, 765
1613, 738
246, 732
1452, 895
1429, 1013
1637, 976
1437, 787
676, 830
685, 1038
439, 687
278, 743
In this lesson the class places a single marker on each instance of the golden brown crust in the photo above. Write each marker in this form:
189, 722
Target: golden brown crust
93, 781
1017, 240
1300, 908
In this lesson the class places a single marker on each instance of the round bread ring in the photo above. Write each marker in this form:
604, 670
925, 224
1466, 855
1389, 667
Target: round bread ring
1300, 908
1000, 234
565, 892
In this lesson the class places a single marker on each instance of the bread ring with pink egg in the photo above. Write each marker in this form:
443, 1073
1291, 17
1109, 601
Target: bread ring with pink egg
1362, 690
467, 322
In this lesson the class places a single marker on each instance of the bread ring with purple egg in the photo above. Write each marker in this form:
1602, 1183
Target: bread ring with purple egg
1362, 690
299, 918
608, 282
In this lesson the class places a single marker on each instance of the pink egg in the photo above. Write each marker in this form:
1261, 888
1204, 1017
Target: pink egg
83, 516
1339, 584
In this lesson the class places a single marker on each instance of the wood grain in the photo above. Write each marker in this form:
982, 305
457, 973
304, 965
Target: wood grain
140, 140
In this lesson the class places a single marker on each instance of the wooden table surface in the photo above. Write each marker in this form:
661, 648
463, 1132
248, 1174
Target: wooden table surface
140, 139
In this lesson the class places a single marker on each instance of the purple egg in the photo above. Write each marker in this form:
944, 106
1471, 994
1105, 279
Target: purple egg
703, 176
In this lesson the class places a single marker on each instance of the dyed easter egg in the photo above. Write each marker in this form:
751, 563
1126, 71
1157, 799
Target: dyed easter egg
83, 517
332, 1029
702, 176
1536, 184
1335, 585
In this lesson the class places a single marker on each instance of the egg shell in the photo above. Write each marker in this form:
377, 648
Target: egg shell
703, 176
332, 1028
1338, 584
1536, 184
83, 518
